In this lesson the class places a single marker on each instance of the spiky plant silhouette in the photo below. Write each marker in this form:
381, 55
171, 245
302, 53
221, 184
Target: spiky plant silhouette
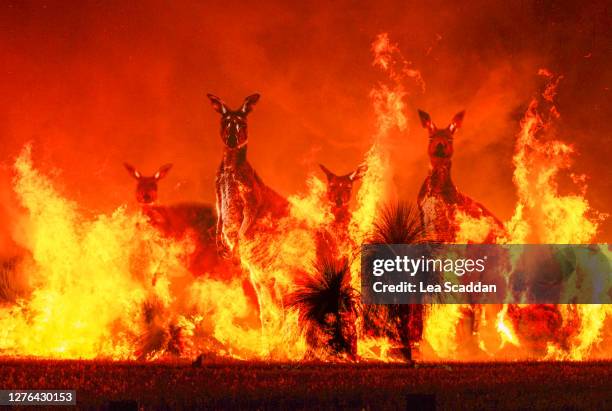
327, 307
399, 223
160, 334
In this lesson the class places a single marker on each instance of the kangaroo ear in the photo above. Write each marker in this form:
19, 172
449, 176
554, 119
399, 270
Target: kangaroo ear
217, 104
456, 122
133, 172
426, 121
359, 172
163, 170
248, 104
328, 173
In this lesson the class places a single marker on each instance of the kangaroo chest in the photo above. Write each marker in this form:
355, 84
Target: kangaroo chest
231, 202
236, 188
439, 206
438, 217
438, 201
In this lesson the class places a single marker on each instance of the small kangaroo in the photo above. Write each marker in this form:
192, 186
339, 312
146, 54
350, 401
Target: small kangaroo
330, 239
242, 197
339, 190
438, 198
179, 219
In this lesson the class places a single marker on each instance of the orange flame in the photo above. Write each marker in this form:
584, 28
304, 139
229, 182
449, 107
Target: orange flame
113, 286
505, 331
542, 214
89, 277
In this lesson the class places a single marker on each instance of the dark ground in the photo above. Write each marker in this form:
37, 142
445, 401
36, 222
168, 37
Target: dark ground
155, 386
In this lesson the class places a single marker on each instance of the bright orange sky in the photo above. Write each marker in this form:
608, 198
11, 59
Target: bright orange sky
95, 85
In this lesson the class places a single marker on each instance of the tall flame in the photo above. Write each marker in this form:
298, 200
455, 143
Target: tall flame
89, 277
389, 107
542, 214
376, 188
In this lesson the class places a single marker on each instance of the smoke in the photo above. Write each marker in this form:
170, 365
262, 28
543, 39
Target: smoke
94, 85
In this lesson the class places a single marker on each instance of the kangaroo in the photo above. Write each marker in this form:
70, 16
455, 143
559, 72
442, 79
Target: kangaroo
248, 208
178, 220
197, 220
242, 198
439, 199
339, 190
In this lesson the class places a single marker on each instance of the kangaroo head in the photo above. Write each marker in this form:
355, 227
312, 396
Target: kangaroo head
441, 140
234, 122
339, 187
146, 188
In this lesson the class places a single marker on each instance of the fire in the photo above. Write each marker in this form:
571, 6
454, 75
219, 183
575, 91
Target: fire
276, 257
373, 348
376, 189
112, 286
542, 214
389, 107
312, 207
440, 330
589, 335
474, 230
232, 331
388, 57
505, 331
88, 277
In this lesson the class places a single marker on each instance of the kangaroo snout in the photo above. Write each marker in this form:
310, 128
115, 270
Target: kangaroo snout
232, 141
145, 197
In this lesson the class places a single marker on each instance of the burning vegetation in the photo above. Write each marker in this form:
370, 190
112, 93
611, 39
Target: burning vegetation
150, 284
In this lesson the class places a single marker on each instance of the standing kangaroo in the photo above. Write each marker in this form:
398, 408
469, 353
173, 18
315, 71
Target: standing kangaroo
247, 209
242, 197
439, 199
178, 220
332, 238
